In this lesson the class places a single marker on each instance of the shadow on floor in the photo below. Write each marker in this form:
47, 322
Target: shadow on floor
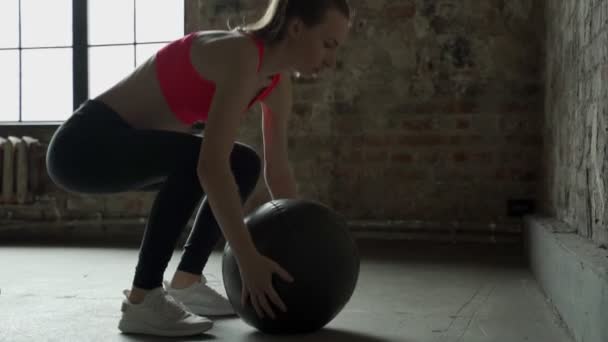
149, 338
324, 335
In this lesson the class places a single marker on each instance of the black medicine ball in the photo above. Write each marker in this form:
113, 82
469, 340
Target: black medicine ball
313, 244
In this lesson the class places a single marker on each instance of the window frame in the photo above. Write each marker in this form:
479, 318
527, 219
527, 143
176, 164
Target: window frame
80, 60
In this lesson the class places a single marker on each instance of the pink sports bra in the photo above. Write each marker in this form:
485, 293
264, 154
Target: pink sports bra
188, 94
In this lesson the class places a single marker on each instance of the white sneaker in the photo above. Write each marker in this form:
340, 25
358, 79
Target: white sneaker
159, 314
201, 299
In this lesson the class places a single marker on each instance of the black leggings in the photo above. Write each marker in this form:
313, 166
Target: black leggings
95, 151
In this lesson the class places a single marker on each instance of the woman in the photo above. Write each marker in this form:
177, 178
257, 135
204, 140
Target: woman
137, 133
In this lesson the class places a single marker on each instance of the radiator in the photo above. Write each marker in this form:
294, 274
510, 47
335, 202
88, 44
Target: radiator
22, 166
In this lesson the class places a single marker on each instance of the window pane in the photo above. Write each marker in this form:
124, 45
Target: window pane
159, 20
145, 51
46, 23
111, 21
108, 65
47, 84
9, 85
9, 23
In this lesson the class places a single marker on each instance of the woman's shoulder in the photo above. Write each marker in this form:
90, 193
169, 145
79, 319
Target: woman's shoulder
216, 41
214, 52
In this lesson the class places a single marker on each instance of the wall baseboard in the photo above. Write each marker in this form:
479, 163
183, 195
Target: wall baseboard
130, 231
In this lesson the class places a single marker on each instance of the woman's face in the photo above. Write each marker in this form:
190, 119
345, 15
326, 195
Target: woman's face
314, 48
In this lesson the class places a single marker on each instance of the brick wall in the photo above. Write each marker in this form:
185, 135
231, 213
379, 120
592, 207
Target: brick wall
432, 117
576, 120
433, 114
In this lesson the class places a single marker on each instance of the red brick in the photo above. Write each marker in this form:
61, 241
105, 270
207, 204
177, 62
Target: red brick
524, 139
378, 140
417, 124
406, 174
463, 123
422, 140
376, 156
501, 174
528, 176
516, 174
515, 107
465, 139
518, 124
355, 140
459, 106
342, 171
402, 157
431, 157
346, 126
461, 157
352, 157
428, 108
405, 10
456, 106
481, 157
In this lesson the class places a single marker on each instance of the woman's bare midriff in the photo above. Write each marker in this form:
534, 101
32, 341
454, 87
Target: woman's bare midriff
138, 99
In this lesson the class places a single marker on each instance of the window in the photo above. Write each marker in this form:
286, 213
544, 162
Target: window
56, 54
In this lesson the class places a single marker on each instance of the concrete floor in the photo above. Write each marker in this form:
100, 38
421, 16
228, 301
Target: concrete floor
410, 292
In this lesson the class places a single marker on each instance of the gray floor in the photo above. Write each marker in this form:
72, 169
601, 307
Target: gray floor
406, 292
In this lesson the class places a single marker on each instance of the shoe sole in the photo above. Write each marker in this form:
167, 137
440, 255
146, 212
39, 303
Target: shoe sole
200, 310
142, 328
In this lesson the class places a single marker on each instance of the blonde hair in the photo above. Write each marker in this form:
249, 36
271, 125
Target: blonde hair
271, 26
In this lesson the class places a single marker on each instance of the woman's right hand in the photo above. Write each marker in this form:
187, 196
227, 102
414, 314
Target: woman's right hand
256, 275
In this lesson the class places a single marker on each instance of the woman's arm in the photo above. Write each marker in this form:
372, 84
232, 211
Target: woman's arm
276, 110
232, 94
